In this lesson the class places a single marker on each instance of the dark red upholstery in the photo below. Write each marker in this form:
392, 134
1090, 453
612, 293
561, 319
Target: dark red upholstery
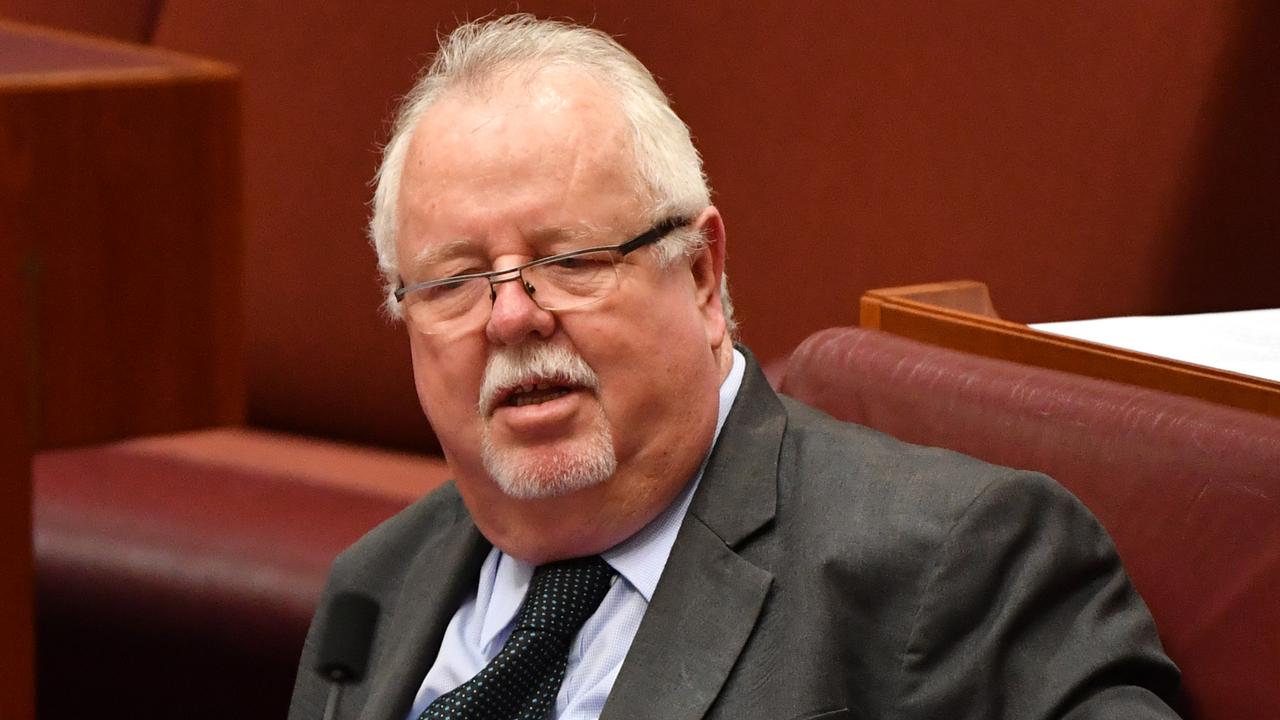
1190, 491
176, 576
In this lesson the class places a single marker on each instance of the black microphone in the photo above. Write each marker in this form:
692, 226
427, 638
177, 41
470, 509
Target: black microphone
344, 647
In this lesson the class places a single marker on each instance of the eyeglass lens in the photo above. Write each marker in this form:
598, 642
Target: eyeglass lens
558, 284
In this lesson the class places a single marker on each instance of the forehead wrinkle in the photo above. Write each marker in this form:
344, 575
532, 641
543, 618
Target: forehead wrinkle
486, 122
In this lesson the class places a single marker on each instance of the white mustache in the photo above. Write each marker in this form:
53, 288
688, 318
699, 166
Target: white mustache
509, 367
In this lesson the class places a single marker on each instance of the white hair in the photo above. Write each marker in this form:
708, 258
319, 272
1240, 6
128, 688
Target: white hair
668, 168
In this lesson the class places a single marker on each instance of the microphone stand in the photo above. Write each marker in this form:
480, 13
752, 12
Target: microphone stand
335, 691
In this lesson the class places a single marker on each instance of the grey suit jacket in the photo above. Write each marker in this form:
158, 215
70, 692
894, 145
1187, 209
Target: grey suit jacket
824, 571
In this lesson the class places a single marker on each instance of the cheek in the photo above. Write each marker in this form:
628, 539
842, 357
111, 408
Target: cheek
673, 325
447, 381
650, 358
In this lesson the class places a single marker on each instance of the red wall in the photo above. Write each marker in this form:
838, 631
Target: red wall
1083, 159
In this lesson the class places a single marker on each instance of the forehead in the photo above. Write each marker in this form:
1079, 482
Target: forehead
541, 152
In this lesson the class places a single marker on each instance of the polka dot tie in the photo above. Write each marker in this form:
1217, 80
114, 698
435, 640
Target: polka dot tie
521, 683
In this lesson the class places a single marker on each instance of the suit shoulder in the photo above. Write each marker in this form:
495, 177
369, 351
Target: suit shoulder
911, 489
816, 438
384, 553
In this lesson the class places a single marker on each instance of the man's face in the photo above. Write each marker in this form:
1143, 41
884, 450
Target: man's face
586, 458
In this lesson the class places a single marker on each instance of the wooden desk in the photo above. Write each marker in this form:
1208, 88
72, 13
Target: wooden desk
120, 244
120, 186
961, 316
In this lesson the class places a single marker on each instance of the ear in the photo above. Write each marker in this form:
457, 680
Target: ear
707, 266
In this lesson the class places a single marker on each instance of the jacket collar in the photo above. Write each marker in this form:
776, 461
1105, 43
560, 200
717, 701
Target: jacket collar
739, 493
709, 598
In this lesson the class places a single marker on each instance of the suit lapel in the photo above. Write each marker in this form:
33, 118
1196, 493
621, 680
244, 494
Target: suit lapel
440, 576
709, 598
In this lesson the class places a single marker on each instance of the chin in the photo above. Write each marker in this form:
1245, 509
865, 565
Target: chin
546, 472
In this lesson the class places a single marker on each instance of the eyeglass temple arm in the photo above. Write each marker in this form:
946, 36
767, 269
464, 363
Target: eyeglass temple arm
653, 234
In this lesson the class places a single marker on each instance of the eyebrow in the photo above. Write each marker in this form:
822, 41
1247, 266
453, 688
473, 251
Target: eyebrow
553, 235
440, 252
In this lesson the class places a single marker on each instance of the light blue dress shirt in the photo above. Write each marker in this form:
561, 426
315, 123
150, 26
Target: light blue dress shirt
482, 625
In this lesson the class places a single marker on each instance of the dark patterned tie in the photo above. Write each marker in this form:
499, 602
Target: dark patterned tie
521, 683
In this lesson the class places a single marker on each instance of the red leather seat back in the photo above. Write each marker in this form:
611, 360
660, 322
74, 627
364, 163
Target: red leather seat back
1189, 490
176, 576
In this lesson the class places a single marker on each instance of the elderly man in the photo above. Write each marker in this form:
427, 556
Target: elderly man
638, 526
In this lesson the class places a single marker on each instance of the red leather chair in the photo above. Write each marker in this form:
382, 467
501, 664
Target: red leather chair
1189, 490
177, 575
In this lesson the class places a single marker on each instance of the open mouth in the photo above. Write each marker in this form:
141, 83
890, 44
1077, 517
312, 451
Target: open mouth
534, 394
534, 374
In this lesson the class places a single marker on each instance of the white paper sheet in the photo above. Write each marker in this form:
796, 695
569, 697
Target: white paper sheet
1246, 342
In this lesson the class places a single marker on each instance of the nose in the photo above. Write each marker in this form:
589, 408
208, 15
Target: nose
516, 317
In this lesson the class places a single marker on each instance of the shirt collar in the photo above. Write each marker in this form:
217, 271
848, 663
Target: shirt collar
640, 558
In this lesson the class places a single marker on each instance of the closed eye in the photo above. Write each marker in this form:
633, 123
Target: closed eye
582, 262
446, 288
449, 284
568, 263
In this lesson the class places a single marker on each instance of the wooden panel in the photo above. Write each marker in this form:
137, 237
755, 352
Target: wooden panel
964, 295
119, 187
128, 20
119, 270
17, 685
943, 314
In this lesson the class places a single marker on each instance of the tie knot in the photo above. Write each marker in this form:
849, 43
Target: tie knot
562, 595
